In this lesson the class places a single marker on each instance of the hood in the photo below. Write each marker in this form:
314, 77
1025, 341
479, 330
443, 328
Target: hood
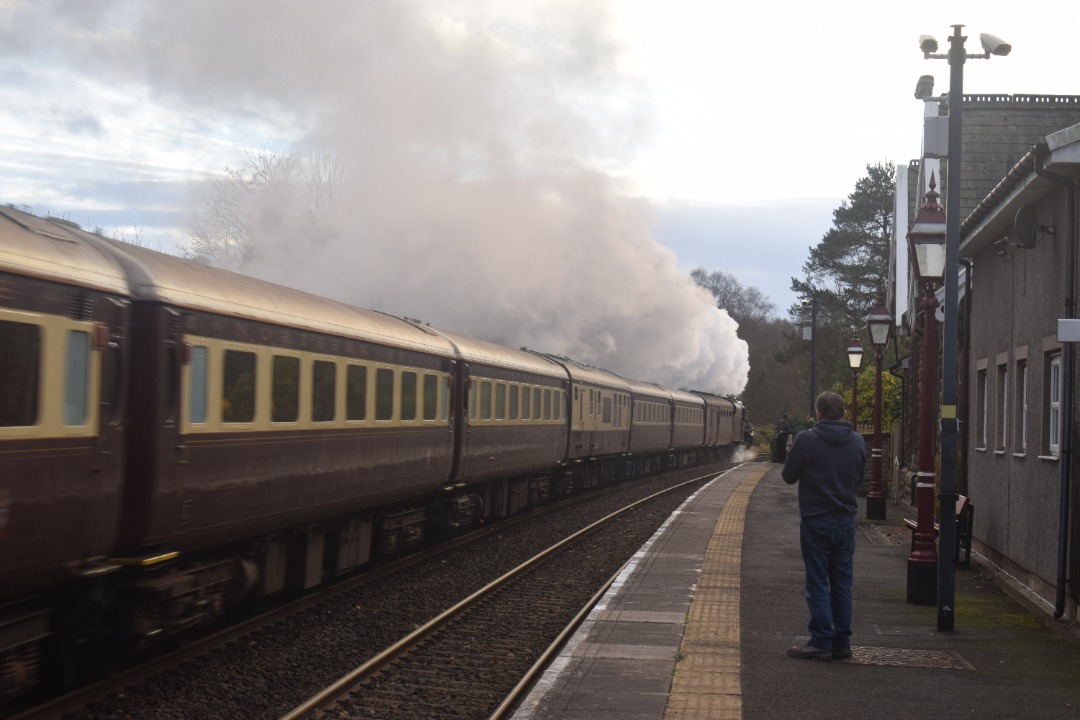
834, 432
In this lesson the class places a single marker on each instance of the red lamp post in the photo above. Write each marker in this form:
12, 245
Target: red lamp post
927, 248
880, 324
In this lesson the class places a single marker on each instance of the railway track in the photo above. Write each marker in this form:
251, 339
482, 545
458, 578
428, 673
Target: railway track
273, 663
475, 659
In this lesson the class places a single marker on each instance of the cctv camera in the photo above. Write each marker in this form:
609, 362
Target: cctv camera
994, 45
924, 89
927, 43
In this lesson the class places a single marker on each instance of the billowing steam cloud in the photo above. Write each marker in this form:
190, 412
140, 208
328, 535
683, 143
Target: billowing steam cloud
472, 141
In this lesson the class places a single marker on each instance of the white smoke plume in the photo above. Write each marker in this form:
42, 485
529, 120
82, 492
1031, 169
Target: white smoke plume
476, 141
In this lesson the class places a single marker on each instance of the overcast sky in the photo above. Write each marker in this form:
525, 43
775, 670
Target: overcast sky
739, 127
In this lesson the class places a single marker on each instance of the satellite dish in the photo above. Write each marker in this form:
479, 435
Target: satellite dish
1025, 226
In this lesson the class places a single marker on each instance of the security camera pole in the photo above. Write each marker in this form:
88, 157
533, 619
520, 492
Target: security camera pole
956, 56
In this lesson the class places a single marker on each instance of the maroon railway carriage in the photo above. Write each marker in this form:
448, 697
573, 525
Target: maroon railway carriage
63, 329
174, 437
512, 426
723, 423
263, 408
598, 417
687, 426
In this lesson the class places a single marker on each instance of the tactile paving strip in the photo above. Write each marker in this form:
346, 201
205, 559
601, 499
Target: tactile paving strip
906, 657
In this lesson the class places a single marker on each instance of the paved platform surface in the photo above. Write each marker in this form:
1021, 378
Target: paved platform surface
699, 623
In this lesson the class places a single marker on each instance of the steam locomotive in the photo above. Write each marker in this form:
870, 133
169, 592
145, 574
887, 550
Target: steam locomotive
176, 438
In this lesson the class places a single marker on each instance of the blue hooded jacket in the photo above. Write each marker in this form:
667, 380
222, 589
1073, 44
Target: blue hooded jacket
828, 462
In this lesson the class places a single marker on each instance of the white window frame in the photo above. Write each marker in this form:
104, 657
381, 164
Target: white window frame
1053, 404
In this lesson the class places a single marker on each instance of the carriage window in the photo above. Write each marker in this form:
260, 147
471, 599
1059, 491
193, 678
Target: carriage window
77, 380
547, 404
526, 395
500, 401
536, 403
197, 384
323, 390
472, 400
355, 392
384, 394
285, 391
238, 387
431, 396
514, 395
558, 404
606, 418
19, 368
408, 396
485, 400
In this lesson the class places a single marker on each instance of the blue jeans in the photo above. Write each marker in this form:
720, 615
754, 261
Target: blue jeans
828, 550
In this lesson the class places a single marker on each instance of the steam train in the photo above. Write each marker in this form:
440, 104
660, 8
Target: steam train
175, 438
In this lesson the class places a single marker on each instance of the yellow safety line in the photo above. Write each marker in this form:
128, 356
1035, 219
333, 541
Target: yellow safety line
706, 683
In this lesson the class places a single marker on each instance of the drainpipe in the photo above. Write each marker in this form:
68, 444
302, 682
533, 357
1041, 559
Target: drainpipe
1067, 371
965, 354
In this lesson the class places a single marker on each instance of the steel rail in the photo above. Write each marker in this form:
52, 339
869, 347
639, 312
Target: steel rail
341, 687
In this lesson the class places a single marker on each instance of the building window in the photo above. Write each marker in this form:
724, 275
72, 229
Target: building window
1020, 411
980, 409
1053, 404
1002, 436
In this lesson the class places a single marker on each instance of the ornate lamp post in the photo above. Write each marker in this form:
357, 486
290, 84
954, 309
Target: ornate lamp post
880, 324
854, 359
956, 56
927, 250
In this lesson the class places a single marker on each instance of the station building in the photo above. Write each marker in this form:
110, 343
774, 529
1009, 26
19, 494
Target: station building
1017, 384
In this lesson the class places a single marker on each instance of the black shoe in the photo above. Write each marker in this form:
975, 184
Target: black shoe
810, 653
841, 653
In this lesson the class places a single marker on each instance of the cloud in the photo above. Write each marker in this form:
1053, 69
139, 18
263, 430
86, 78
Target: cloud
470, 133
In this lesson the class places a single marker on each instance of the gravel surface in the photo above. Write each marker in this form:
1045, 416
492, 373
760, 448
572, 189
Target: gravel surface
267, 674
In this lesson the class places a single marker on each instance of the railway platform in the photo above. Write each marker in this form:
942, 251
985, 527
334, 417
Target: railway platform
698, 623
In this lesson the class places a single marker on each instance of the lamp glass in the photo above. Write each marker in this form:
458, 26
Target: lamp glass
854, 356
930, 259
880, 326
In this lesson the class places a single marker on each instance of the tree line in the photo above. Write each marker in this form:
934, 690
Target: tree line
846, 271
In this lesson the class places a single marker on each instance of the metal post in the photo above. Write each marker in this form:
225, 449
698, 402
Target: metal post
947, 498
855, 399
875, 496
923, 561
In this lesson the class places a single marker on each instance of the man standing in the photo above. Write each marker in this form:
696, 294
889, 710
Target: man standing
828, 462
783, 432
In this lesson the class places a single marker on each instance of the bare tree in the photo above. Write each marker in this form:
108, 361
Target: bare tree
279, 191
744, 304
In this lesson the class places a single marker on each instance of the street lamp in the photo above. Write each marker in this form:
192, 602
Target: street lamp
880, 323
956, 56
927, 250
854, 359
